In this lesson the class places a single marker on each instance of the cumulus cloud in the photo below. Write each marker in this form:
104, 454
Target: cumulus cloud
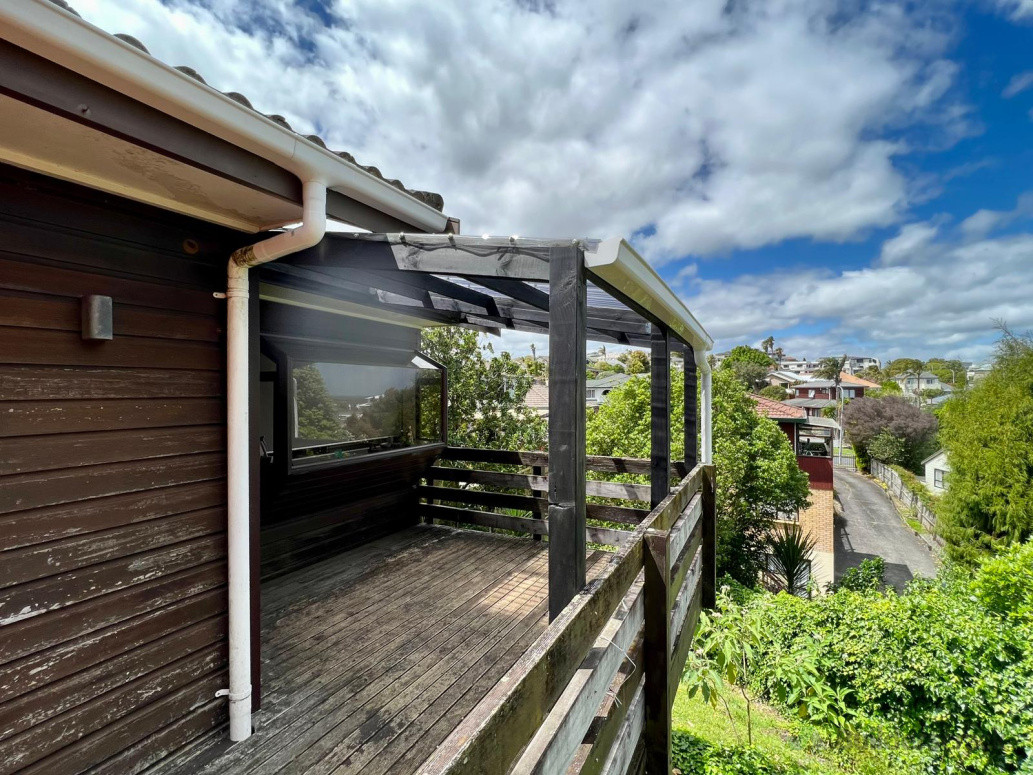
706, 126
931, 291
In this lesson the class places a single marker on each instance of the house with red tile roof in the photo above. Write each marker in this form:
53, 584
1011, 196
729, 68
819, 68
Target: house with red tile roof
811, 438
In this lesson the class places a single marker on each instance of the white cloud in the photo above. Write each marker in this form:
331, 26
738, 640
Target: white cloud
723, 125
1016, 10
1018, 83
937, 295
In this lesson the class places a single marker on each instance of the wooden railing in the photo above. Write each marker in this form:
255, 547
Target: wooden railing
594, 692
536, 485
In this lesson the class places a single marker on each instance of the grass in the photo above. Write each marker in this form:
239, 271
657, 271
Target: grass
782, 746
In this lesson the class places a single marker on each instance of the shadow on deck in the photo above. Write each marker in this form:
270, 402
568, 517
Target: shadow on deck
373, 657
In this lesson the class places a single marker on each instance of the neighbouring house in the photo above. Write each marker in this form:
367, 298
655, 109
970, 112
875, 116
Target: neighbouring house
849, 386
977, 372
855, 387
230, 527
815, 388
912, 383
537, 397
812, 440
856, 363
813, 407
596, 390
783, 379
803, 368
937, 467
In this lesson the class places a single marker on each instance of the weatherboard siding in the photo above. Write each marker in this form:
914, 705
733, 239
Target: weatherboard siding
112, 482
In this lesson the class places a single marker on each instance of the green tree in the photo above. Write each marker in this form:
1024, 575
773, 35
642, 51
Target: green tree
865, 419
774, 392
903, 366
746, 354
749, 365
757, 474
872, 374
950, 372
987, 432
831, 368
635, 361
485, 393
768, 345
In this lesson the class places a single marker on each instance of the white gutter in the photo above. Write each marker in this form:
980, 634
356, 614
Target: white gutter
309, 233
618, 264
62, 37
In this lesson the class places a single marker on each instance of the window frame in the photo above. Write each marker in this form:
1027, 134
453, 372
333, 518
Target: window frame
287, 354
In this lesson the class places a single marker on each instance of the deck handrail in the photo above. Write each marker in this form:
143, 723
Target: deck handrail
597, 686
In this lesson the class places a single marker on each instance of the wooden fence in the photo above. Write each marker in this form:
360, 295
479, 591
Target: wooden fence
593, 695
900, 491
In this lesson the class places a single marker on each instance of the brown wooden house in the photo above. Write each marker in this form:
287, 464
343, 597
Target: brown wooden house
226, 496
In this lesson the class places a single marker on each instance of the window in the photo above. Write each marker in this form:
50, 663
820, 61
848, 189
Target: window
939, 478
348, 402
793, 515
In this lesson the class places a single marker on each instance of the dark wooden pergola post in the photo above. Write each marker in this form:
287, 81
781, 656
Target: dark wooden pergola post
691, 408
660, 416
568, 302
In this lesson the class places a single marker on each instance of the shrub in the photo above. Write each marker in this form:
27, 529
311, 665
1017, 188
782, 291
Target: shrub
866, 419
951, 672
693, 755
869, 576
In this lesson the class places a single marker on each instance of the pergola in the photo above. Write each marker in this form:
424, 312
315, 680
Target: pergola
571, 290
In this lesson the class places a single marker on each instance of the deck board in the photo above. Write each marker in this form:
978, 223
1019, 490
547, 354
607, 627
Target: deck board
371, 658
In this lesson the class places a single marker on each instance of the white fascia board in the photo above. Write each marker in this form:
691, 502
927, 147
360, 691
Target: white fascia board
616, 263
45, 29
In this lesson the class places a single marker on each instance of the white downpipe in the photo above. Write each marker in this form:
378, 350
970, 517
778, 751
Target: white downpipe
706, 408
309, 233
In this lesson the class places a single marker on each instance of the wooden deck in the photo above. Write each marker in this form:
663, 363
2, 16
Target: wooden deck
371, 658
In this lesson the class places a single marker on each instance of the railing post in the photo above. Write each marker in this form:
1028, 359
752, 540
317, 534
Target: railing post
656, 653
660, 416
708, 580
537, 471
691, 408
568, 301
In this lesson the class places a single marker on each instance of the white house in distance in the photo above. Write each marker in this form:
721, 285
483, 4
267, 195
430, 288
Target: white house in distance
936, 469
977, 372
856, 363
913, 384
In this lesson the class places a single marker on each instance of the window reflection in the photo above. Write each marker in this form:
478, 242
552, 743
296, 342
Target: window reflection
344, 410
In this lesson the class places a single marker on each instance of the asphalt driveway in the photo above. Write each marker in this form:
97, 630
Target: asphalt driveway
870, 527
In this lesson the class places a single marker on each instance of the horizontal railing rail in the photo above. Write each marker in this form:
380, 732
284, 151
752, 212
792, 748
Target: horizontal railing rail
446, 496
593, 694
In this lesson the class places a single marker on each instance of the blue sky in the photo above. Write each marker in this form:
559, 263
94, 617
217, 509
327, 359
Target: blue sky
841, 174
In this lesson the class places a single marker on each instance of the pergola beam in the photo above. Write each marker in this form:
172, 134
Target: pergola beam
518, 290
434, 254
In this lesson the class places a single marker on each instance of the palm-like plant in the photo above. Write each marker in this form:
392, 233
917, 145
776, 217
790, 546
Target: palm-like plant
779, 355
768, 345
831, 368
791, 551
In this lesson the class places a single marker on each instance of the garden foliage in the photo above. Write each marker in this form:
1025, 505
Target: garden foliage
987, 432
948, 664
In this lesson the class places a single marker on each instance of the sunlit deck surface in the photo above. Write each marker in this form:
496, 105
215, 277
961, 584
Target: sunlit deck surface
371, 658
